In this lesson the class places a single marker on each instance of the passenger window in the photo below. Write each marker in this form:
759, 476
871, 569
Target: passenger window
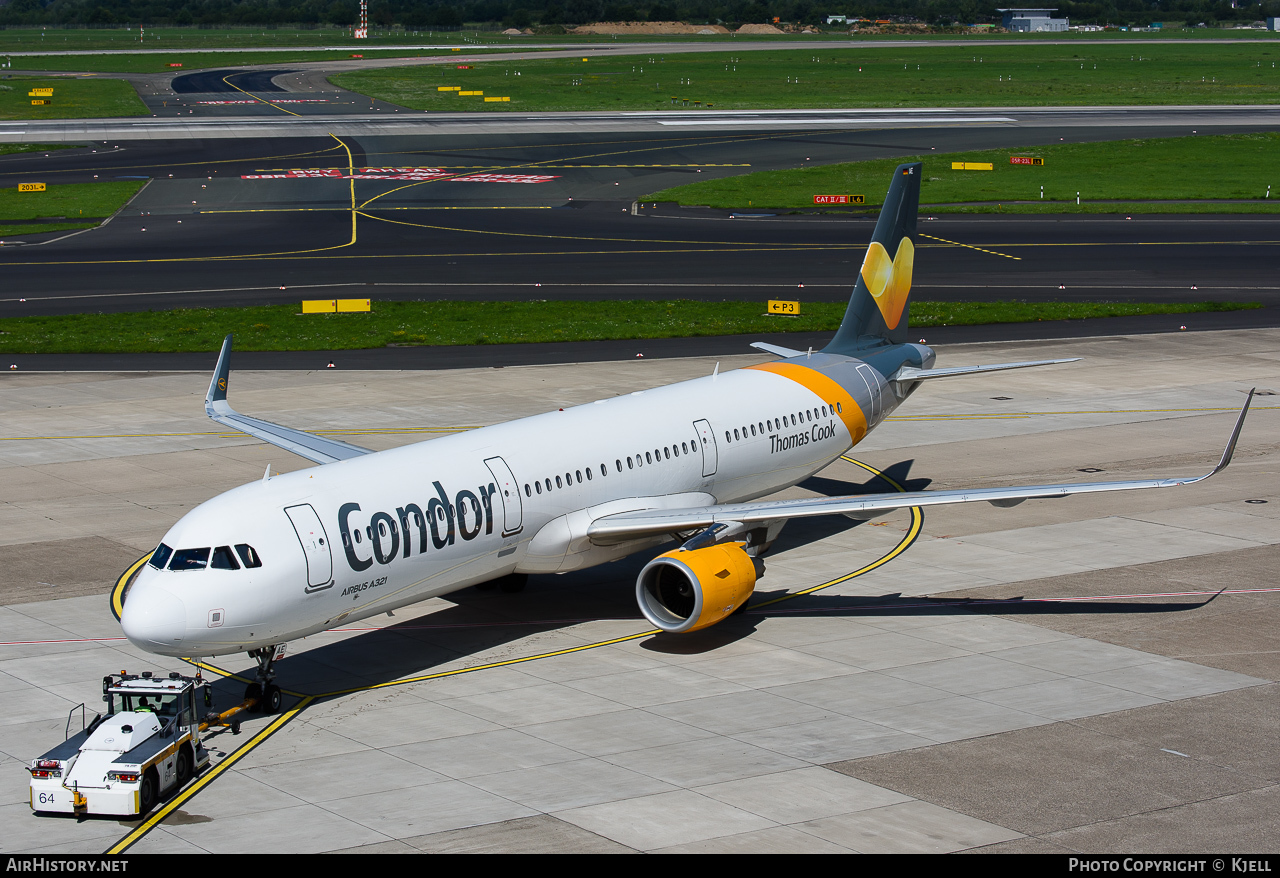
528, 492
160, 556
629, 463
538, 485
648, 458
727, 436
618, 463
604, 470
639, 461
666, 452
559, 484
588, 474
249, 557
735, 433
675, 449
223, 559
753, 429
190, 559
685, 447
839, 408
548, 485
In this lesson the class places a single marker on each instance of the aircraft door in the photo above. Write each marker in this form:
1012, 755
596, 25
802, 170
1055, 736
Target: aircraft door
315, 545
873, 387
708, 437
508, 493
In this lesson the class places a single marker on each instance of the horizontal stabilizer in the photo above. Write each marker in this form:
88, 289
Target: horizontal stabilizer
308, 445
613, 529
787, 353
906, 373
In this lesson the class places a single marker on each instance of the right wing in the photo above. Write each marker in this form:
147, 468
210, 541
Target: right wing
308, 445
612, 529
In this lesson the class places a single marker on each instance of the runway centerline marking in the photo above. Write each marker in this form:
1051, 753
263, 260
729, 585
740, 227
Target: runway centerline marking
169, 807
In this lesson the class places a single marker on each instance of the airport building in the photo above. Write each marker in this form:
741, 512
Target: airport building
1032, 20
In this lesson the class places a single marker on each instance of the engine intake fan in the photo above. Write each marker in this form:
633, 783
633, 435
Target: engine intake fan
689, 589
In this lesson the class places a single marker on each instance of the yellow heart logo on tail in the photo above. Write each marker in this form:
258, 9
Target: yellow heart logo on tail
889, 280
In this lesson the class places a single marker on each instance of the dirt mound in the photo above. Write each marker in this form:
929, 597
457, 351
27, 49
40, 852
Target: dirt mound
759, 29
648, 27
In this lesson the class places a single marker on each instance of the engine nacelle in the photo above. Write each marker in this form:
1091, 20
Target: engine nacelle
686, 590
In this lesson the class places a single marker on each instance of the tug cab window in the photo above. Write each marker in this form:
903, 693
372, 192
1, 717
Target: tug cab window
160, 705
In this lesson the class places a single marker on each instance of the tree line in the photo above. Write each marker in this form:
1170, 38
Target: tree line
452, 14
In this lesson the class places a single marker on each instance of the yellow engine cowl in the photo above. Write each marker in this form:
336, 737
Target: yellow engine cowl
684, 591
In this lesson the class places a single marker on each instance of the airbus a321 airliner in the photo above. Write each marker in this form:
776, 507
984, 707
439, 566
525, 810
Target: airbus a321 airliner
364, 533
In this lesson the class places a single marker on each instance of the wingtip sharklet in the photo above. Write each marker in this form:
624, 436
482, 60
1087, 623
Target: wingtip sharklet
1235, 435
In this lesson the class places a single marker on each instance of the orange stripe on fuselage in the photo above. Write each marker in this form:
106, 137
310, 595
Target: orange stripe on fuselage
830, 391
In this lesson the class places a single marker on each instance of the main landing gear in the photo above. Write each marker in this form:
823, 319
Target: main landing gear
263, 691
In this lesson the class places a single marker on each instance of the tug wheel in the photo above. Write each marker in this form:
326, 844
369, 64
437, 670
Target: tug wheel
184, 767
147, 792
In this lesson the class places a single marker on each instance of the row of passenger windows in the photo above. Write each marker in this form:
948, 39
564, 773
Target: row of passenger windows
649, 457
795, 420
198, 559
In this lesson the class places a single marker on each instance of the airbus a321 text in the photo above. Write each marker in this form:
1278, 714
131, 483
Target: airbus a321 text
364, 533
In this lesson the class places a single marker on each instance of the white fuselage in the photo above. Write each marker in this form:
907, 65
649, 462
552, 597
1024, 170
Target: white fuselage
362, 536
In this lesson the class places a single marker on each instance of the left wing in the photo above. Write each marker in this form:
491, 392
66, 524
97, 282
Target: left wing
612, 529
308, 445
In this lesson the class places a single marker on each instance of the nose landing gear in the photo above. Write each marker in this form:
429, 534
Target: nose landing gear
263, 691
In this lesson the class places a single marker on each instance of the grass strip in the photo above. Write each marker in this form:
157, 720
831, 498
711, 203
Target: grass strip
10, 231
69, 201
73, 98
919, 75
283, 328
1144, 176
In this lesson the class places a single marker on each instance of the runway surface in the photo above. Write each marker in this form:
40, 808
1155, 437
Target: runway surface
1094, 674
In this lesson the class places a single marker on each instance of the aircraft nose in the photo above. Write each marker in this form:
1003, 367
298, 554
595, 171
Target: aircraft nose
154, 619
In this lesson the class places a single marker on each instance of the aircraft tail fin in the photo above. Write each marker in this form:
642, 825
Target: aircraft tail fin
880, 305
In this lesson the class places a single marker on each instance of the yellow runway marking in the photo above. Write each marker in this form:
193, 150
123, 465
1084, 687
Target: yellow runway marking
139, 832
345, 209
970, 247
227, 80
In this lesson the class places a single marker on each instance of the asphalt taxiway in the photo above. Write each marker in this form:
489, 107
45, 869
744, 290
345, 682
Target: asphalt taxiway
1093, 674
258, 221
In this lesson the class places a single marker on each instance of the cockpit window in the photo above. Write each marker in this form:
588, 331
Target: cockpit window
160, 556
248, 555
223, 559
190, 559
